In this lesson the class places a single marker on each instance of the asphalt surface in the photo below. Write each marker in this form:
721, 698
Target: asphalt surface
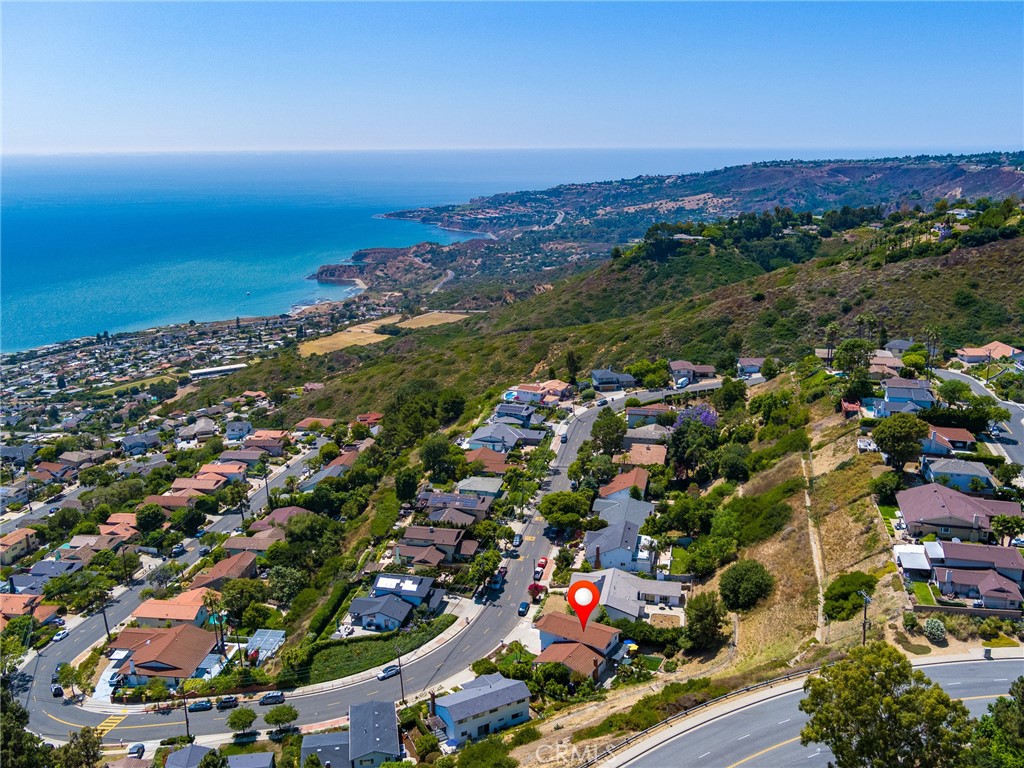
767, 734
1012, 439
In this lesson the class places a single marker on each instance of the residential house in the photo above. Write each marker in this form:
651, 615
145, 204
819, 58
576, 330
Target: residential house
488, 487
993, 589
239, 566
628, 508
945, 441
898, 346
639, 416
83, 459
685, 373
137, 445
143, 466
18, 455
486, 705
558, 389
278, 518
371, 420
502, 438
415, 590
261, 541
1006, 561
641, 455
575, 656
621, 486
331, 470
563, 628
237, 430
517, 414
169, 503
384, 613
619, 545
899, 382
625, 596
905, 400
957, 473
170, 655
749, 366
313, 424
234, 471
252, 760
371, 739
33, 582
249, 457
451, 516
16, 544
272, 446
57, 471
206, 485
991, 352
652, 434
606, 380
470, 504
201, 430
188, 756
935, 508
529, 393
13, 494
493, 462
14, 605
426, 545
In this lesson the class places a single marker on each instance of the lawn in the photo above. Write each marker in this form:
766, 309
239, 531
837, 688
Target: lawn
888, 511
922, 593
354, 656
653, 663
1001, 642
141, 383
678, 561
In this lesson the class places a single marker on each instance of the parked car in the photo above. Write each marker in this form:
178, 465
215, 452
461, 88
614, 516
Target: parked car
177, 550
517, 540
59, 621
524, 608
116, 679
204, 551
387, 672
564, 438
57, 692
200, 706
228, 702
542, 563
602, 402
538, 574
55, 677
200, 533
273, 697
136, 750
60, 635
503, 570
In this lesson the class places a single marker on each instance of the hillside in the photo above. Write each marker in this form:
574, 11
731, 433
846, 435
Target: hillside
969, 295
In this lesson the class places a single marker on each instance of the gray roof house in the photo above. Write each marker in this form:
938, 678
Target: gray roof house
136, 445
371, 738
17, 454
412, 589
481, 486
330, 748
485, 705
626, 596
620, 545
186, 757
503, 438
617, 510
252, 760
313, 481
957, 473
606, 379
384, 613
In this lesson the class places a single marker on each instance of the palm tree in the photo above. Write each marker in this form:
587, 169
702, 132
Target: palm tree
1004, 526
214, 605
931, 343
832, 331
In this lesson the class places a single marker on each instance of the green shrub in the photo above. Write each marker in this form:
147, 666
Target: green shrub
886, 486
910, 622
990, 628
841, 599
426, 744
934, 630
524, 735
744, 583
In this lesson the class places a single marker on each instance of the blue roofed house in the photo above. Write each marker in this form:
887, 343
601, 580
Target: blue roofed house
380, 613
959, 474
415, 590
905, 400
313, 481
503, 438
488, 704
187, 757
252, 760
371, 739
521, 414
136, 445
606, 380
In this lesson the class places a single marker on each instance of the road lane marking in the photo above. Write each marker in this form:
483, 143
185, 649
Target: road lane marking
784, 721
529, 538
150, 725
64, 722
741, 738
704, 755
109, 724
764, 751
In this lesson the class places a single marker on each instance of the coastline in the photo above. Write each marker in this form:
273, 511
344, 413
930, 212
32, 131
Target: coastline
393, 217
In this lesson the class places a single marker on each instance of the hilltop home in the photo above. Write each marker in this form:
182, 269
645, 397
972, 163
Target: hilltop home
502, 438
186, 608
684, 372
995, 350
488, 704
621, 486
562, 628
169, 655
993, 589
619, 545
520, 415
749, 366
639, 416
607, 380
905, 400
240, 566
935, 508
414, 590
1006, 561
625, 596
137, 445
945, 441
237, 430
384, 613
957, 473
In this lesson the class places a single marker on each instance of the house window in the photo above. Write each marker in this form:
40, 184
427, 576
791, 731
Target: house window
944, 529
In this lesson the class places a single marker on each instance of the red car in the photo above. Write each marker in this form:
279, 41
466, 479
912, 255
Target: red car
542, 563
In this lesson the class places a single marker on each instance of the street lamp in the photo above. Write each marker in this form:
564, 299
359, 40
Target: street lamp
864, 625
184, 703
401, 677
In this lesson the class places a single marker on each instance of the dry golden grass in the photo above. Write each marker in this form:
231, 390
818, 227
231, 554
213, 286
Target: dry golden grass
666, 620
432, 318
554, 604
355, 336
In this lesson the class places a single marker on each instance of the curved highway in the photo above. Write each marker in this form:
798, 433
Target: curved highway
766, 734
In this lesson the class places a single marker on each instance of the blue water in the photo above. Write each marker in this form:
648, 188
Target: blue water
120, 243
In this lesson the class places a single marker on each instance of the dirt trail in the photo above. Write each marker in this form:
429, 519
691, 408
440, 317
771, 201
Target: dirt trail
812, 533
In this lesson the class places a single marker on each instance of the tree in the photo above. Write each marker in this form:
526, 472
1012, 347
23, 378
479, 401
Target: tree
434, 453
608, 431
286, 583
281, 715
998, 740
20, 748
770, 368
873, 710
900, 436
853, 355
256, 616
69, 677
832, 331
150, 518
214, 759
241, 719
1007, 473
239, 594
407, 482
705, 617
11, 654
572, 365
744, 583
564, 510
484, 566
690, 446
312, 762
83, 750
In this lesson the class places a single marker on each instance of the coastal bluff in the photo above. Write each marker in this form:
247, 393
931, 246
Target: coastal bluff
383, 268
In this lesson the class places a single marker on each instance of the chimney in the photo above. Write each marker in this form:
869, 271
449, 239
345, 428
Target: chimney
433, 704
977, 520
597, 558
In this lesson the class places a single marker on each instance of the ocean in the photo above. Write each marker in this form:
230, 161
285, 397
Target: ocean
127, 242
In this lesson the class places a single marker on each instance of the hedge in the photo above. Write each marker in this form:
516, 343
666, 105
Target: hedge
984, 458
329, 608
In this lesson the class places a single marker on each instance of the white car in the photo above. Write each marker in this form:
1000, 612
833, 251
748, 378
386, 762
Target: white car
60, 635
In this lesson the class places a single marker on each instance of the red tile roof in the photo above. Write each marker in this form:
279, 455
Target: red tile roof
597, 636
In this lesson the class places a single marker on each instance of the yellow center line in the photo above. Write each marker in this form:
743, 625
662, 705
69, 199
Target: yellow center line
64, 722
764, 751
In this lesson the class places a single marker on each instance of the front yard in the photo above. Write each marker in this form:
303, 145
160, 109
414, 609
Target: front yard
923, 593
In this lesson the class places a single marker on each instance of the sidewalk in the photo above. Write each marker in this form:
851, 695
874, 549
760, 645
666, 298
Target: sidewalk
462, 609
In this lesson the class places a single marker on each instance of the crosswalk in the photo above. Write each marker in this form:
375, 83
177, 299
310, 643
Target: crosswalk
109, 724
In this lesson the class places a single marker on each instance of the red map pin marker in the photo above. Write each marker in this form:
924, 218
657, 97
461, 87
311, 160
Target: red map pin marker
583, 597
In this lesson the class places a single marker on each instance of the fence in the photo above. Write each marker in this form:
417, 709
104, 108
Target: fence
1001, 613
636, 737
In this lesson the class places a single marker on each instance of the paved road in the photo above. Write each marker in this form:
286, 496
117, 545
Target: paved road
38, 510
1012, 439
766, 735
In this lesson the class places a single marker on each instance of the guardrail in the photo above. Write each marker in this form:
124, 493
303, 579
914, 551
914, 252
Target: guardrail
640, 736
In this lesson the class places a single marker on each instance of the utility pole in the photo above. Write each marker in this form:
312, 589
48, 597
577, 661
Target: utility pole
184, 703
103, 611
864, 625
401, 677
124, 566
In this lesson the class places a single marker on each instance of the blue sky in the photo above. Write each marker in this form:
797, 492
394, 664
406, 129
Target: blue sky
139, 77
